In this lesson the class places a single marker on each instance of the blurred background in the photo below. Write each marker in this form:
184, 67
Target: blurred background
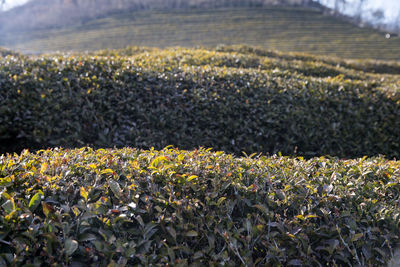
342, 28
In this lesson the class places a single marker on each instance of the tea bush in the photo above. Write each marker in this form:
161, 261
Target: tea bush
231, 98
128, 207
6, 52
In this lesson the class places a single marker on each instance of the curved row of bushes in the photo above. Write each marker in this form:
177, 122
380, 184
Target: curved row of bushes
193, 208
189, 98
5, 52
365, 65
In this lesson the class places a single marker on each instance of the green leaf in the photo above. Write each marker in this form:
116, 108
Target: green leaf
357, 237
47, 209
70, 246
261, 208
220, 200
9, 206
115, 188
295, 262
172, 232
192, 233
87, 237
35, 201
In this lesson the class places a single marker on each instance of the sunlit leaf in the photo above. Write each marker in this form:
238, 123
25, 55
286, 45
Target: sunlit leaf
9, 206
192, 177
84, 193
70, 246
115, 188
47, 209
44, 167
107, 171
35, 201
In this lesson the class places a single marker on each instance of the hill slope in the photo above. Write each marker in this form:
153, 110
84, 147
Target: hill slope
286, 29
49, 13
234, 99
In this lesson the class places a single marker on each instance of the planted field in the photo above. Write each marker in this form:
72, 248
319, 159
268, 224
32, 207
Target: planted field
290, 29
233, 99
152, 206
129, 207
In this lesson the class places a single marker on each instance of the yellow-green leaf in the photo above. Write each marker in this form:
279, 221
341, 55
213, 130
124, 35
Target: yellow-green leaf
192, 177
156, 162
84, 193
76, 211
220, 200
46, 209
6, 195
44, 167
181, 157
260, 227
35, 201
107, 171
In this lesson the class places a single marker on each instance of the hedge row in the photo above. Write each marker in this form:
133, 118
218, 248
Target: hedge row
6, 52
188, 98
131, 207
365, 65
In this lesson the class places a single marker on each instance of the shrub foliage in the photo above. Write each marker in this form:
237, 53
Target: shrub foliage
233, 99
173, 207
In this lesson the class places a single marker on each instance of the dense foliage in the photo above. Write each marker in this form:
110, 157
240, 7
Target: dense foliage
132, 207
235, 100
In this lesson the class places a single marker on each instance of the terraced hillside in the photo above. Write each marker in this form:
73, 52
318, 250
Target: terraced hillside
286, 29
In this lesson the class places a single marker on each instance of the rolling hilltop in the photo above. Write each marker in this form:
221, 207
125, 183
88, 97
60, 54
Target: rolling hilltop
298, 29
233, 98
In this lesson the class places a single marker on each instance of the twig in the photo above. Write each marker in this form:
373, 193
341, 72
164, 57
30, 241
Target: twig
5, 242
347, 246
